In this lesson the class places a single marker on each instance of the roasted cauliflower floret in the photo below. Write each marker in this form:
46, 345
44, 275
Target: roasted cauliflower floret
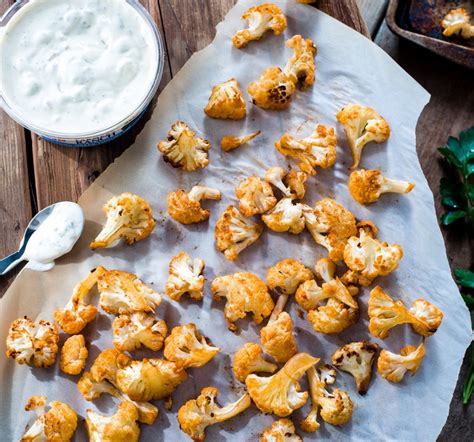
245, 293
362, 125
120, 427
231, 142
334, 317
129, 217
188, 348
33, 344
262, 18
393, 367
429, 314
286, 216
248, 359
300, 66
73, 355
357, 358
280, 393
185, 277
197, 414
316, 150
234, 233
183, 149
287, 275
277, 338
366, 186
255, 196
226, 101
281, 430
273, 90
78, 312
290, 184
123, 293
457, 22
107, 363
57, 424
186, 207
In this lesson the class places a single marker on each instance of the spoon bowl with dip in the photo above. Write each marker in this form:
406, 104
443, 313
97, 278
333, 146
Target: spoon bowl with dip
50, 234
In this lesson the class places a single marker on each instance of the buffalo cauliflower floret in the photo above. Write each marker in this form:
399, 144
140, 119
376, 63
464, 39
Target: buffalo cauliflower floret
457, 22
78, 312
290, 184
245, 293
197, 414
248, 360
300, 66
393, 367
123, 293
188, 348
430, 315
255, 196
132, 331
231, 142
277, 338
120, 427
333, 317
183, 149
285, 217
262, 18
186, 207
273, 90
362, 125
316, 150
129, 217
57, 424
32, 344
357, 358
366, 186
73, 355
226, 101
185, 277
281, 430
280, 393
234, 233
107, 363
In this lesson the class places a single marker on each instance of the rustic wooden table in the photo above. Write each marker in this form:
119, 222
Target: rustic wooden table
35, 173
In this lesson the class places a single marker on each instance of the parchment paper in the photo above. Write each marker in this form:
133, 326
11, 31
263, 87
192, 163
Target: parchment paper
349, 69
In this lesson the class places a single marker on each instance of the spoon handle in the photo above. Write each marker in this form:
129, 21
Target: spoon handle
6, 264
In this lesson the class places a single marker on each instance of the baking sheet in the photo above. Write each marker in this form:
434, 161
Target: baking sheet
349, 69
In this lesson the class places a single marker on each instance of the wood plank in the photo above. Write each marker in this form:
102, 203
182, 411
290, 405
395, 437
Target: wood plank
347, 12
373, 12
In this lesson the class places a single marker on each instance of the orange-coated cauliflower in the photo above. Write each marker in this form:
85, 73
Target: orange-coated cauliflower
107, 363
333, 317
262, 18
197, 414
457, 22
429, 314
286, 276
129, 217
362, 125
300, 66
32, 344
248, 359
255, 196
186, 207
281, 430
73, 355
393, 367
273, 90
277, 338
183, 149
185, 277
245, 293
226, 101
234, 233
290, 184
231, 142
286, 216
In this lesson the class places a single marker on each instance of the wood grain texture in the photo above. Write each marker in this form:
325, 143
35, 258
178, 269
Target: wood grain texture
373, 12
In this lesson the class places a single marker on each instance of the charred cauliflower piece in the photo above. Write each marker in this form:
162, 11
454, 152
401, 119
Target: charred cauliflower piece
132, 331
393, 367
231, 142
248, 359
234, 233
188, 348
57, 424
185, 277
290, 184
317, 150
429, 314
273, 90
129, 217
277, 338
281, 430
457, 22
183, 149
73, 355
78, 312
357, 358
226, 101
186, 207
262, 18
300, 66
366, 186
255, 196
123, 293
197, 414
245, 293
32, 344
362, 125
285, 217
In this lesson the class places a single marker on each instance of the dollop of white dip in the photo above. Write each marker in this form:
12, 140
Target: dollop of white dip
76, 66
55, 236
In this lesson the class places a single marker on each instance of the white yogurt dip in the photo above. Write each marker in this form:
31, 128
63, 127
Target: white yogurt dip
76, 66
55, 236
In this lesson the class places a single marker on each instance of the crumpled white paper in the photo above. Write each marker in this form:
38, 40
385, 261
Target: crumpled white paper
350, 68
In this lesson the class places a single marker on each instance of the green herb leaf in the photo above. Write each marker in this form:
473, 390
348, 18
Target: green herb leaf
469, 384
449, 217
464, 277
451, 195
450, 157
